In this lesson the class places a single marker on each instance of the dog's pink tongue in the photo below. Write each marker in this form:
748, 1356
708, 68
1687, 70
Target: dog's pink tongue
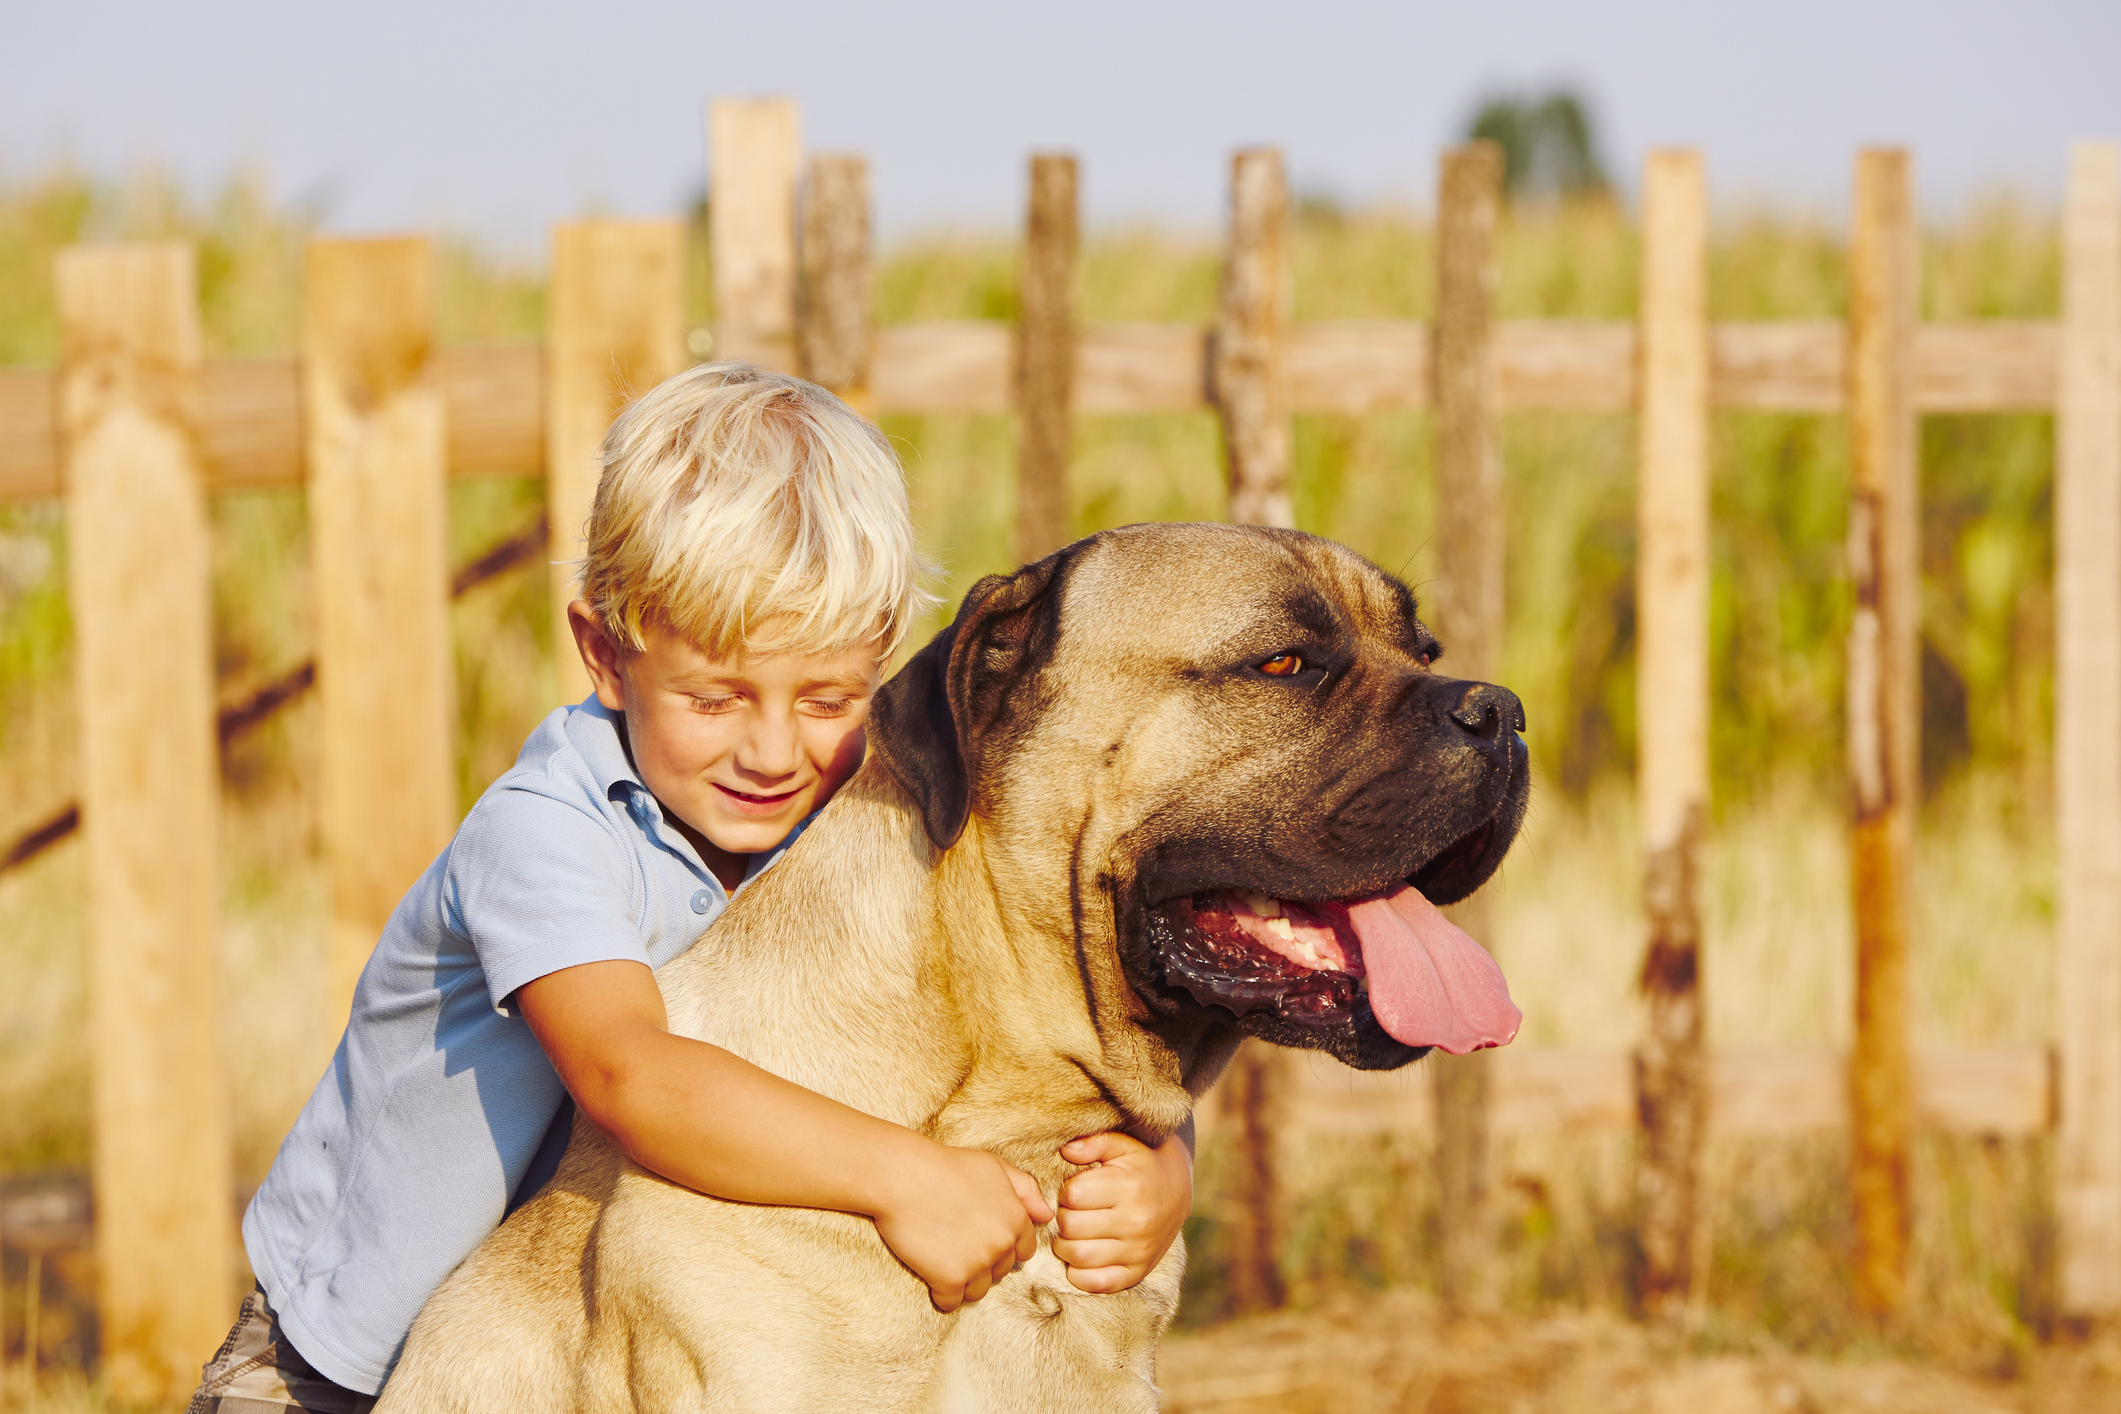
1430, 983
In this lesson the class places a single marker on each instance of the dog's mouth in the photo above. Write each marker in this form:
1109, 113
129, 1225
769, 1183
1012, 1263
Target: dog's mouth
1319, 962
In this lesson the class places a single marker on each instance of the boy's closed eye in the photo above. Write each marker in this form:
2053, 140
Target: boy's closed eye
714, 704
828, 706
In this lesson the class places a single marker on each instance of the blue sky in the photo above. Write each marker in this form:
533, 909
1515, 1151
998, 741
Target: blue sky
496, 119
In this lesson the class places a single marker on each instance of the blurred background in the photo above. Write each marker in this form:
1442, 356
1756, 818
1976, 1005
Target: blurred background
249, 128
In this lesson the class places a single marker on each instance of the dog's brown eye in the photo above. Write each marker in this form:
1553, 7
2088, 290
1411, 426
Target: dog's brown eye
1282, 666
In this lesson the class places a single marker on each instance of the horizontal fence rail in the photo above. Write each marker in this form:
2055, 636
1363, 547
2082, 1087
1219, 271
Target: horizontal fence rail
250, 418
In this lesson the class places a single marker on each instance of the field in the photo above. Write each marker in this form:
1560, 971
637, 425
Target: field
1361, 1215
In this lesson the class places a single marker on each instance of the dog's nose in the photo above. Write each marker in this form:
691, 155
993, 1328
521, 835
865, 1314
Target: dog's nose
1487, 711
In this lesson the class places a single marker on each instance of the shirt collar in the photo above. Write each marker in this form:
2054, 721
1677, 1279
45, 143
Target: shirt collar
599, 734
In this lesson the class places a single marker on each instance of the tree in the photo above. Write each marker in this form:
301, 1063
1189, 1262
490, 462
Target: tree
1548, 146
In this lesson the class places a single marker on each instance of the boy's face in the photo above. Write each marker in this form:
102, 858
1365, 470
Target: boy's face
737, 752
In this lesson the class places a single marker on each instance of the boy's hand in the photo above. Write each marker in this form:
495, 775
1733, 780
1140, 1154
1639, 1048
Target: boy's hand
962, 1220
1118, 1219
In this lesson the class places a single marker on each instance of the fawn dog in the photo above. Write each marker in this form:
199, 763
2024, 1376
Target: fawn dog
1169, 787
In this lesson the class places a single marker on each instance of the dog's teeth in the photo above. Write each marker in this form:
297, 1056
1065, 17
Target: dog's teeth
1262, 905
1281, 929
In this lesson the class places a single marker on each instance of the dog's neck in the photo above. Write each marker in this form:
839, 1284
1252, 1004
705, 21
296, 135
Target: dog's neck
935, 988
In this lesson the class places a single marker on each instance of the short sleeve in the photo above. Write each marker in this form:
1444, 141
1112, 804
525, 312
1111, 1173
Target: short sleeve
538, 884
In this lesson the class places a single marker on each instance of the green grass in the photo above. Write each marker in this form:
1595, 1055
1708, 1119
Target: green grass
1569, 926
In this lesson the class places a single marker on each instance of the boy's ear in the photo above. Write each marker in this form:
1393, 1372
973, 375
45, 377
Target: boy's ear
600, 653
933, 723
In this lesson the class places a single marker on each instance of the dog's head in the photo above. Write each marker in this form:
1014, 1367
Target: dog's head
1220, 761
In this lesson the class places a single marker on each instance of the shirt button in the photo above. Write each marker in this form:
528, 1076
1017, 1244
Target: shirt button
702, 901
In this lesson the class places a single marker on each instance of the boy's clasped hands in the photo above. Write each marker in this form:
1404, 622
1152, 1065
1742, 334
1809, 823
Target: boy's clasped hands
959, 1219
963, 1219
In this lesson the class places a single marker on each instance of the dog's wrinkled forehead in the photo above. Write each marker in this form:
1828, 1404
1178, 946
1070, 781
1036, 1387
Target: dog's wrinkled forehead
1208, 593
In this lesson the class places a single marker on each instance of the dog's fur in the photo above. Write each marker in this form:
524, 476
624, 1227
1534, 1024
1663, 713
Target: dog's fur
966, 942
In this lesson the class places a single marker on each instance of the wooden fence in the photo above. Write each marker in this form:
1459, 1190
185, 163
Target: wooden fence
135, 430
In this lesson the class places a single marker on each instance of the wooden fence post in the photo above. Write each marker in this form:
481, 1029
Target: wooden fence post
1884, 708
754, 146
1467, 615
1250, 373
139, 561
839, 277
617, 330
2088, 734
1045, 368
1249, 379
378, 527
1672, 713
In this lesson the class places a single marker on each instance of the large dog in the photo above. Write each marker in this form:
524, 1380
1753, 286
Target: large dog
1173, 785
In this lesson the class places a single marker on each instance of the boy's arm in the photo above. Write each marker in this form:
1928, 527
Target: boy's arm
960, 1219
1118, 1218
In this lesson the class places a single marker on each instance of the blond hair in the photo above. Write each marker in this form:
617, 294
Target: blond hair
749, 511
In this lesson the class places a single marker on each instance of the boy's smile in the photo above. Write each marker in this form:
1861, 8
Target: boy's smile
737, 752
748, 801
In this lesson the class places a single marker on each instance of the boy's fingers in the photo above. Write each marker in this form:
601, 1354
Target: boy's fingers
947, 1298
1103, 1281
1035, 1204
1100, 1148
1026, 1244
1081, 1224
978, 1286
1094, 1253
1096, 1188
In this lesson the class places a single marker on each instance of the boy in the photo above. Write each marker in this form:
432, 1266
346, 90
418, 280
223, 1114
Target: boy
750, 566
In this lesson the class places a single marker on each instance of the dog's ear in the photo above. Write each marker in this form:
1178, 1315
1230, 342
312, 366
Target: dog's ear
911, 732
930, 724
1007, 630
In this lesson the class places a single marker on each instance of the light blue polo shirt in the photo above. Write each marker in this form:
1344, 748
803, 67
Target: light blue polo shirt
439, 1098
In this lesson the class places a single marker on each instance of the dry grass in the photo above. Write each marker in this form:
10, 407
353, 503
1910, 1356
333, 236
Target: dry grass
1394, 1353
65, 1391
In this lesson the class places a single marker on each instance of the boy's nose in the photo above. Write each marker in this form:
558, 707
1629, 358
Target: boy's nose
771, 749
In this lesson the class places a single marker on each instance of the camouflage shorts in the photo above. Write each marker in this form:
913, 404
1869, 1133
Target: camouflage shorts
259, 1371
